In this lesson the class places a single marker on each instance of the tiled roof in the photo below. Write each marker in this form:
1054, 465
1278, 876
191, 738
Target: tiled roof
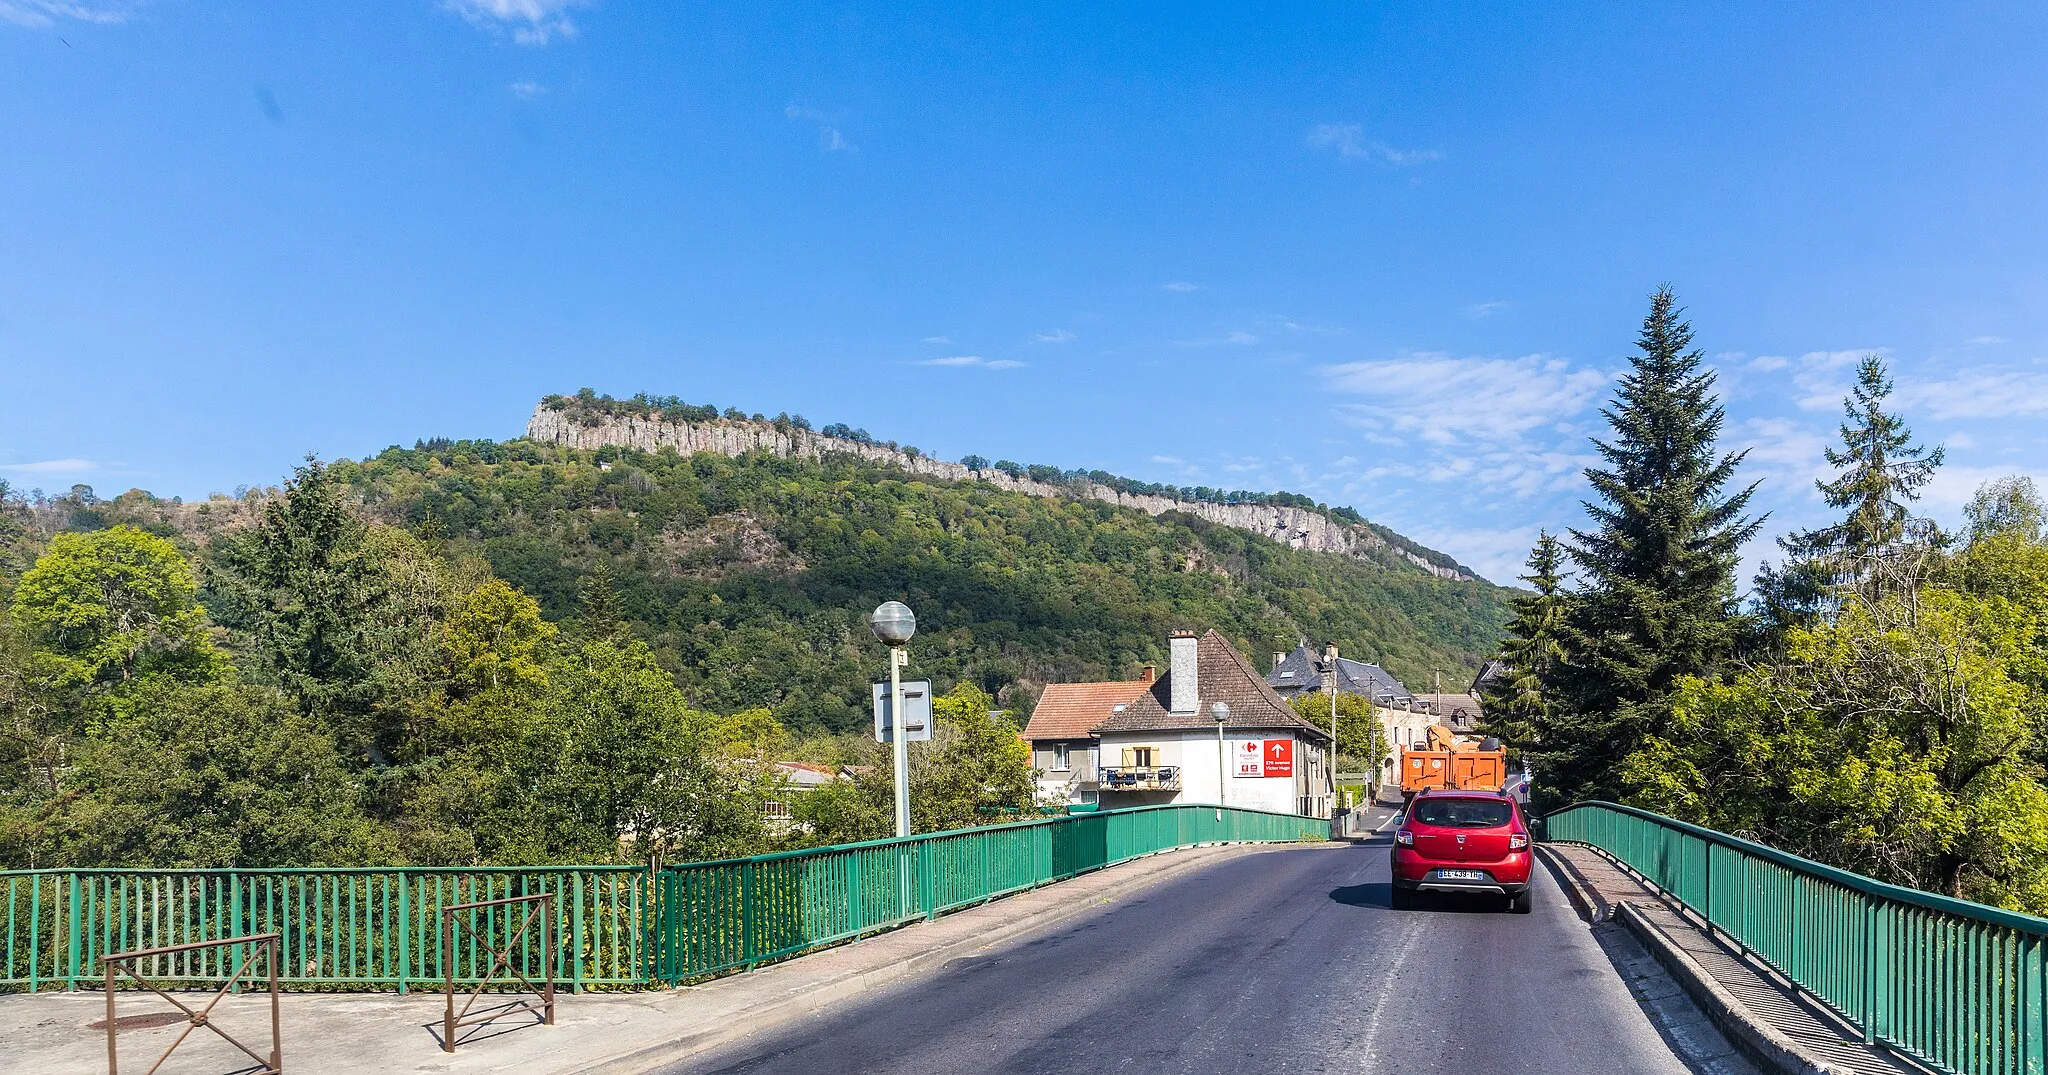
1224, 676
1461, 711
1070, 710
1303, 670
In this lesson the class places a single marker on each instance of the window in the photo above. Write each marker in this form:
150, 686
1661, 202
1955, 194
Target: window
1059, 757
1138, 757
775, 811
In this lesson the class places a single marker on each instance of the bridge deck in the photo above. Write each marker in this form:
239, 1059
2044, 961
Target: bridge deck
1819, 1032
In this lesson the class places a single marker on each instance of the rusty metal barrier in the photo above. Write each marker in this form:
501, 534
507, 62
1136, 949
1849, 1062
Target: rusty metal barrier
118, 963
544, 910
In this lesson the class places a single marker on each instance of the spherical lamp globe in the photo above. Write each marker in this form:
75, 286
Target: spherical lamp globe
893, 623
1219, 711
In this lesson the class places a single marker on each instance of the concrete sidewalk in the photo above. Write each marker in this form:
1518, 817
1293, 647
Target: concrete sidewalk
597, 1033
1781, 1018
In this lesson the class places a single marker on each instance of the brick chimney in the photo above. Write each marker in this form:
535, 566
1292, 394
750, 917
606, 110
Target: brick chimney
1148, 673
1183, 678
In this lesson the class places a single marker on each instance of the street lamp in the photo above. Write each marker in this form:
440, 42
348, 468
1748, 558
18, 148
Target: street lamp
893, 624
1220, 711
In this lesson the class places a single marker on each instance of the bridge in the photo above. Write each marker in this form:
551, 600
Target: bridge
1174, 938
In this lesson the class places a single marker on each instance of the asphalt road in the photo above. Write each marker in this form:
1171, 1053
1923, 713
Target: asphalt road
1289, 961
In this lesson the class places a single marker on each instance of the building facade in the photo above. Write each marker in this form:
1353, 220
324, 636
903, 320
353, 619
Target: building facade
1064, 751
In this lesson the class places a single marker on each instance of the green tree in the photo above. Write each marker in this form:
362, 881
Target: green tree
974, 771
111, 605
1881, 473
1657, 567
1361, 736
1517, 704
214, 775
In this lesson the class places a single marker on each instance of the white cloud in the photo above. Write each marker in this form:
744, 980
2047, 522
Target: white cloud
1822, 378
809, 113
1953, 487
531, 22
1486, 309
831, 141
1444, 400
527, 91
53, 466
1497, 554
938, 339
1349, 142
1978, 393
1058, 335
1985, 341
1179, 285
1788, 454
1172, 460
42, 13
1237, 338
973, 361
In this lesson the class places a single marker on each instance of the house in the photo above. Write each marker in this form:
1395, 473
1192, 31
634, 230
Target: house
1062, 737
1303, 671
1165, 745
1461, 713
799, 778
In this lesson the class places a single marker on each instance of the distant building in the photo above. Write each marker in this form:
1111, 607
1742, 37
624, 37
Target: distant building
1062, 737
1162, 746
1304, 671
800, 778
1460, 713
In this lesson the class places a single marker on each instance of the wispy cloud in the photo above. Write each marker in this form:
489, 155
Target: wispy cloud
530, 22
527, 91
830, 138
1444, 399
44, 13
53, 466
1058, 335
938, 339
1348, 141
1237, 338
1179, 285
1486, 309
1821, 377
1979, 393
974, 361
1985, 341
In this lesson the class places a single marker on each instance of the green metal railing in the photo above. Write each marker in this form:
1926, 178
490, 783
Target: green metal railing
616, 926
1956, 985
345, 928
739, 913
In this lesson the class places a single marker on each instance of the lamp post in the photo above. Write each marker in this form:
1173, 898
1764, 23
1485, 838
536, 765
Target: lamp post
893, 624
1221, 713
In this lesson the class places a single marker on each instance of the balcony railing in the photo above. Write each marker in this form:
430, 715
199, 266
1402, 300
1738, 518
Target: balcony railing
1139, 778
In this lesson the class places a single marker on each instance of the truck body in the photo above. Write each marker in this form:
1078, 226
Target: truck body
1445, 764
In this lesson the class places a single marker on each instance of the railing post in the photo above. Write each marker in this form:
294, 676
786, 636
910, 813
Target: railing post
1870, 951
71, 975
747, 913
925, 887
404, 929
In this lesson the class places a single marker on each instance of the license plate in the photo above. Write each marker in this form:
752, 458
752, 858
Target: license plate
1461, 875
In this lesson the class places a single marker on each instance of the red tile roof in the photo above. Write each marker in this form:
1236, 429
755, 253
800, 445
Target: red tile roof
1069, 710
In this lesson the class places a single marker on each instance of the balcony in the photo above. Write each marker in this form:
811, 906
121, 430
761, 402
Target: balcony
1139, 778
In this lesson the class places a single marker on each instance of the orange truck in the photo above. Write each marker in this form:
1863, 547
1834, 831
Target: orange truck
1447, 764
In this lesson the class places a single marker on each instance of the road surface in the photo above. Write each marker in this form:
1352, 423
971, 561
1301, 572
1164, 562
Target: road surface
1289, 961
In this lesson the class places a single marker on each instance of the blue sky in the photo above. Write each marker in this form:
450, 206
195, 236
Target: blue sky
1389, 255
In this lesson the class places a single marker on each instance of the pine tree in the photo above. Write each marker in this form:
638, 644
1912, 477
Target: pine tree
1518, 702
1657, 568
599, 603
1881, 471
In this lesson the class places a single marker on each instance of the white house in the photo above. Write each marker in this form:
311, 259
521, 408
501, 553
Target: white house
1163, 746
1062, 737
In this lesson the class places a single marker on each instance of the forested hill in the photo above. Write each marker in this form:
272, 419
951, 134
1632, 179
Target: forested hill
749, 576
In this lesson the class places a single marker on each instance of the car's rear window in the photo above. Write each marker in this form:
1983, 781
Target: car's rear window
1463, 813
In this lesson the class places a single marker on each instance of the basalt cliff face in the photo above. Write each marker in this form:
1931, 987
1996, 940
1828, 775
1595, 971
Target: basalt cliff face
1300, 528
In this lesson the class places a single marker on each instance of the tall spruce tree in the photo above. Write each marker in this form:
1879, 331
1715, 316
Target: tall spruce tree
1518, 701
1656, 599
1881, 471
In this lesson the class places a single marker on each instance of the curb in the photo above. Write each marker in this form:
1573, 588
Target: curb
1762, 1041
653, 1057
1576, 888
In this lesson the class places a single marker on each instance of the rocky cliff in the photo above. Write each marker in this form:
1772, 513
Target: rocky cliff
1301, 528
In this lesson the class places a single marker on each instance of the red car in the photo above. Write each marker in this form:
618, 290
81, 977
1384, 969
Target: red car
1462, 841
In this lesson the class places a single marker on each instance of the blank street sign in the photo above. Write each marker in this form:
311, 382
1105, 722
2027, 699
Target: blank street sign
917, 711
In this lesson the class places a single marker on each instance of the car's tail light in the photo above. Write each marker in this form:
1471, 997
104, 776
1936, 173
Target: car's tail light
1404, 837
1518, 841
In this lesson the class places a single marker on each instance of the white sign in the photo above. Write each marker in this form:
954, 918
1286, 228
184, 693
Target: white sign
1251, 757
917, 711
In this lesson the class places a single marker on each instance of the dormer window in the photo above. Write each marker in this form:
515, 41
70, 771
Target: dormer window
1287, 673
1119, 707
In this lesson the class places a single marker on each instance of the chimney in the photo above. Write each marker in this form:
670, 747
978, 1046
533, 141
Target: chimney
1277, 658
1183, 678
1148, 673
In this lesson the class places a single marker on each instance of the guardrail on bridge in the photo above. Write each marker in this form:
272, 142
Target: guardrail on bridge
615, 926
1956, 985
